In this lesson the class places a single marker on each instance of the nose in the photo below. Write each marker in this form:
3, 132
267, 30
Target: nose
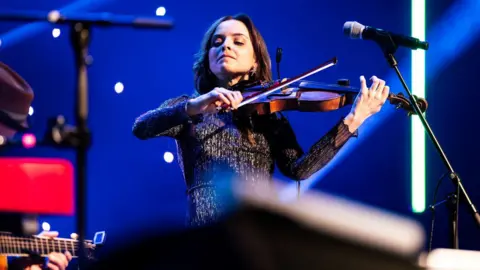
227, 44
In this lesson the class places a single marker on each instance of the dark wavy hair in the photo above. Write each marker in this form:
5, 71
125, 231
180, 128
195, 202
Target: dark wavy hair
205, 80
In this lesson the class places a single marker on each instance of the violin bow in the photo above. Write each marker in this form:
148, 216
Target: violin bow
276, 87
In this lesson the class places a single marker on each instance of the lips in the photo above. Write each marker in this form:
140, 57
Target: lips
225, 56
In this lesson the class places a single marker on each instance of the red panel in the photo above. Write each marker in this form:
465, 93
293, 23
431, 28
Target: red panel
37, 186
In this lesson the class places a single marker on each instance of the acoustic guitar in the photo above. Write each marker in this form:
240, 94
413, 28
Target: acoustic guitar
21, 246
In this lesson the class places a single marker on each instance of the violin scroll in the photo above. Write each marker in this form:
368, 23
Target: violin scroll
402, 102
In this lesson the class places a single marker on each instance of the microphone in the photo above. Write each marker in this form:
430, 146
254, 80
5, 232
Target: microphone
356, 30
278, 58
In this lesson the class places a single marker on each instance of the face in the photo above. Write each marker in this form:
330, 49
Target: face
231, 54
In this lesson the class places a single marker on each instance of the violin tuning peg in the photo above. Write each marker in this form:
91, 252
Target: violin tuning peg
343, 82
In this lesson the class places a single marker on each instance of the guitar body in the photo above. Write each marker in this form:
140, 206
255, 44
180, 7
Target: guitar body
3, 262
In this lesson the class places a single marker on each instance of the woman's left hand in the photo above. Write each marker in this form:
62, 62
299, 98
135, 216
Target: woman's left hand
368, 102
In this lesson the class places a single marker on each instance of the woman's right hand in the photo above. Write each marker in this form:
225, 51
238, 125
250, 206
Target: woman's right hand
209, 102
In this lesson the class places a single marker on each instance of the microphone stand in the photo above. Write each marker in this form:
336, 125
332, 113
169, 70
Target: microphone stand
79, 137
389, 47
80, 38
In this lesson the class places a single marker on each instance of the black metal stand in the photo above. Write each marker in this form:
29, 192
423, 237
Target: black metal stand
389, 48
453, 207
80, 37
77, 137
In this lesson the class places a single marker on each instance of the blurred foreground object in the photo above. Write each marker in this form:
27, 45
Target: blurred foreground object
451, 259
318, 231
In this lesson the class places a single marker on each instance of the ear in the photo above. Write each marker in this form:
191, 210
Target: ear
255, 66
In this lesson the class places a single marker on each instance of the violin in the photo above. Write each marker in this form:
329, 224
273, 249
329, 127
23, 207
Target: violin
316, 97
309, 96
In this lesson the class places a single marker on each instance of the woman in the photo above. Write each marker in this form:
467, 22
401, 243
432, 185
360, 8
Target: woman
214, 146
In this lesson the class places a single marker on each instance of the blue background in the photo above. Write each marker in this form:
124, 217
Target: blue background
130, 186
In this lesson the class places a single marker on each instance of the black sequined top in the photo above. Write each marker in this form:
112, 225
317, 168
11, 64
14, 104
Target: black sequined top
214, 148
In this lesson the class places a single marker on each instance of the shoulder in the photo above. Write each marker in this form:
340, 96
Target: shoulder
174, 101
178, 100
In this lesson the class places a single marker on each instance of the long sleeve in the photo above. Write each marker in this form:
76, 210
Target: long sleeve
21, 263
291, 159
168, 119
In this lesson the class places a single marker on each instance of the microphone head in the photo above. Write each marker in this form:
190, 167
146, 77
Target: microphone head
353, 30
278, 57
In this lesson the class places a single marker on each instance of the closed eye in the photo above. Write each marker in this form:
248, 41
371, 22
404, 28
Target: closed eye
217, 40
217, 43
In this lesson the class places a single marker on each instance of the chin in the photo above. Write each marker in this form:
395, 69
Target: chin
224, 72
226, 67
